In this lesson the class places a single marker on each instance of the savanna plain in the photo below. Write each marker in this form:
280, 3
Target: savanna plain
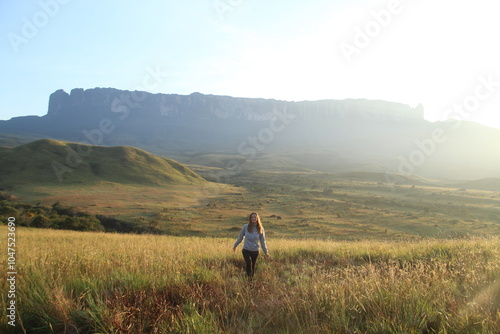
350, 253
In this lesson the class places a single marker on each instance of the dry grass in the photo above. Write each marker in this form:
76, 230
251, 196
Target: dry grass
105, 283
124, 201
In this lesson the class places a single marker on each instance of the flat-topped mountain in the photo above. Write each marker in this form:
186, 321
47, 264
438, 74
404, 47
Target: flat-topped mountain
326, 135
196, 123
50, 161
99, 101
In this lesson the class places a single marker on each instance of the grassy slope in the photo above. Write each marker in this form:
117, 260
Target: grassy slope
491, 183
94, 282
53, 162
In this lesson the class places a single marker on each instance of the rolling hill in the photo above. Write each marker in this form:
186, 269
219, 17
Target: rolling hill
49, 161
490, 184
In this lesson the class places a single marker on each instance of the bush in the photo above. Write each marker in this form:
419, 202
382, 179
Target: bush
41, 221
82, 224
64, 211
7, 210
115, 225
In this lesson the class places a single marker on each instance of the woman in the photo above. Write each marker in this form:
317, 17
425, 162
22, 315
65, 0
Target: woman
253, 232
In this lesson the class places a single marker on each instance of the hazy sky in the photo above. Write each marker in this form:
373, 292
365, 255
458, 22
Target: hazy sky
443, 54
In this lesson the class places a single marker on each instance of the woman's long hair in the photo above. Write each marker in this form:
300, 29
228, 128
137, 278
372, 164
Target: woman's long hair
251, 225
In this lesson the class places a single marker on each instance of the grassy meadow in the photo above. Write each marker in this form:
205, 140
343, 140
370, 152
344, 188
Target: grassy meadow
355, 206
351, 253
92, 282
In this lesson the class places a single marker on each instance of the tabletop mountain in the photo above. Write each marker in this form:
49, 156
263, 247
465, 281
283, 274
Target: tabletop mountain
325, 135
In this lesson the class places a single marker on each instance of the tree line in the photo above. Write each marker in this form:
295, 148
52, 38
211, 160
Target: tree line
62, 217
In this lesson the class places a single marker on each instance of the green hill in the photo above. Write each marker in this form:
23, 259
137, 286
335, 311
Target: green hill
56, 162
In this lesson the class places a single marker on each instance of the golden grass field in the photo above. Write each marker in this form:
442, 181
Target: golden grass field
90, 282
349, 254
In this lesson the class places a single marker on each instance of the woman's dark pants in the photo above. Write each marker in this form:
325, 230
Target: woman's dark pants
250, 260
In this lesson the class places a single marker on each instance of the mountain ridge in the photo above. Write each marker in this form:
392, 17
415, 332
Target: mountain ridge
222, 106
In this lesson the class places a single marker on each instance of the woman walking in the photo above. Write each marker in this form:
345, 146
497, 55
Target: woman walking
253, 233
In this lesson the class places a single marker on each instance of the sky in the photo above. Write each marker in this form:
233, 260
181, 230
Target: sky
441, 54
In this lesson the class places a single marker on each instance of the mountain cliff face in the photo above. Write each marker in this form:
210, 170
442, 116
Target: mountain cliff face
99, 101
334, 134
171, 123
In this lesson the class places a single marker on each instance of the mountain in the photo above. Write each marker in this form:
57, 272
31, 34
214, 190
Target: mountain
192, 123
238, 133
55, 162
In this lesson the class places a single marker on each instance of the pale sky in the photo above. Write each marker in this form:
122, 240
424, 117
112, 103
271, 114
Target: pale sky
443, 54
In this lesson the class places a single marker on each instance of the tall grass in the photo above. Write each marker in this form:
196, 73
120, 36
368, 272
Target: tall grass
75, 282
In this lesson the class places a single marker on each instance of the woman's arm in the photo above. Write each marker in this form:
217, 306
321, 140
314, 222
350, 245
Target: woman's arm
262, 238
240, 238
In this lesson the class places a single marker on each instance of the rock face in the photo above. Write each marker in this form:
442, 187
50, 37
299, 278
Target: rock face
171, 123
203, 123
100, 101
59, 102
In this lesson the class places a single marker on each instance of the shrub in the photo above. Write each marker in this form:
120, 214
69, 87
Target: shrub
40, 221
7, 210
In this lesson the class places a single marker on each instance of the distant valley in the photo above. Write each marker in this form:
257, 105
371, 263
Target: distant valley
129, 189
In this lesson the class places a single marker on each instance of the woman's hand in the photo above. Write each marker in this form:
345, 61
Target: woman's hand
234, 249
